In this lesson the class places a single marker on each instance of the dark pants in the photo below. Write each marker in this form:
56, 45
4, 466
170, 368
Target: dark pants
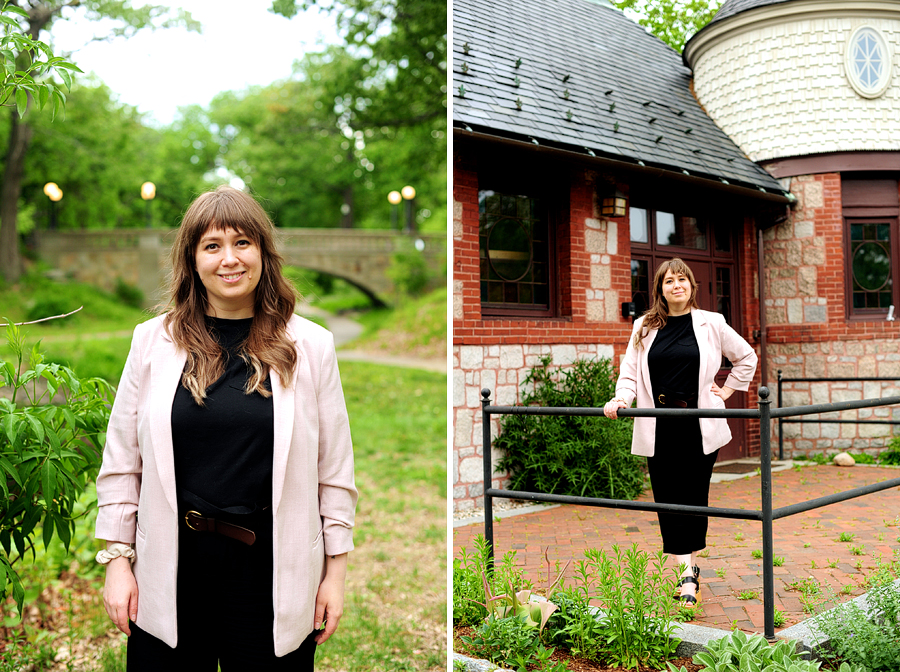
679, 474
225, 612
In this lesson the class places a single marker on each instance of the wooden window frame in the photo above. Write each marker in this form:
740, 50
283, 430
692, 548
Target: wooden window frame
553, 206
870, 314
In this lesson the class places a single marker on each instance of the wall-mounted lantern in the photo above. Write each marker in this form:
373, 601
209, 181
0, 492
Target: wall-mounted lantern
614, 203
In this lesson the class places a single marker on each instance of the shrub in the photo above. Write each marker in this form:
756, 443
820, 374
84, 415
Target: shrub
49, 454
570, 455
891, 456
409, 272
634, 627
870, 640
738, 652
129, 294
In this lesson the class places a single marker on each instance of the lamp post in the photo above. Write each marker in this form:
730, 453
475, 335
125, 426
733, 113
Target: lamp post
409, 195
55, 194
148, 193
394, 199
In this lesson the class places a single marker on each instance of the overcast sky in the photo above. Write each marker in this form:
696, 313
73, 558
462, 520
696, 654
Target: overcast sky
241, 43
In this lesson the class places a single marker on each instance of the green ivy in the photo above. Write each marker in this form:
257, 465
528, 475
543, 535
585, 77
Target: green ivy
52, 429
570, 455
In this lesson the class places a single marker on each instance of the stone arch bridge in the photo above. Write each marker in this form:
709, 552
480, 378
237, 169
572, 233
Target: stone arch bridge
140, 257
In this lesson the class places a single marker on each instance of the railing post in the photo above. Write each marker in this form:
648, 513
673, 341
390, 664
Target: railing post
488, 474
765, 447
780, 426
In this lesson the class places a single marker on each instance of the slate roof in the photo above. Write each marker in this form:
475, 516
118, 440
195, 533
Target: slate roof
732, 7
589, 80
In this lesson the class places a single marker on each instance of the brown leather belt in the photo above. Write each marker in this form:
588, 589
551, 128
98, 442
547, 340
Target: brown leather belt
199, 523
671, 400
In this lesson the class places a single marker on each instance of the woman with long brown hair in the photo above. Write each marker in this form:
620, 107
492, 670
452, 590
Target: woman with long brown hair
671, 361
226, 493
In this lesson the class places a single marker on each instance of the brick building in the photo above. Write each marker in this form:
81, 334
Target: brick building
586, 151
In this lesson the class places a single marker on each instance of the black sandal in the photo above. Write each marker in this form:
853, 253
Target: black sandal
681, 582
688, 601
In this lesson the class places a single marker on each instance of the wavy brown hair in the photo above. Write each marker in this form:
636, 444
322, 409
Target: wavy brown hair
658, 313
268, 346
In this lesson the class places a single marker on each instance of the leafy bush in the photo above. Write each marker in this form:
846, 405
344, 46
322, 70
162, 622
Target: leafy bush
871, 640
129, 294
49, 454
891, 456
740, 653
469, 574
635, 625
409, 272
570, 455
508, 641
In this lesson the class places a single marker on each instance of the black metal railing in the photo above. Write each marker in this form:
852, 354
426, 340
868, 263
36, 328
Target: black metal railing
766, 515
834, 421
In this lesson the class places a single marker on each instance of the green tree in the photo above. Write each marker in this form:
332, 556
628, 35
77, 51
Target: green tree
104, 152
672, 21
314, 166
391, 76
37, 18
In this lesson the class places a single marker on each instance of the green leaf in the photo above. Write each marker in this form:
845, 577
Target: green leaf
66, 77
48, 482
63, 530
21, 101
43, 93
10, 428
48, 532
8, 467
36, 426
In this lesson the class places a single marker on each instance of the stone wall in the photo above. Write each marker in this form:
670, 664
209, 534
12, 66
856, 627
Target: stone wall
774, 79
809, 333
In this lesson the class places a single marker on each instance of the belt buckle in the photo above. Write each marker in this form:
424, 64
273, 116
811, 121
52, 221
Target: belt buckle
187, 520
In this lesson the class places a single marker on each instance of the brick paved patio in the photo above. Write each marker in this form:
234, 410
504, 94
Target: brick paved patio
808, 541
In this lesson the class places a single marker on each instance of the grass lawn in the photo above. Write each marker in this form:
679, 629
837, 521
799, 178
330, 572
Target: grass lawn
395, 608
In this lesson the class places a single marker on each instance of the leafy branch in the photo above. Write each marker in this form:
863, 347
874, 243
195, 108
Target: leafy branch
23, 70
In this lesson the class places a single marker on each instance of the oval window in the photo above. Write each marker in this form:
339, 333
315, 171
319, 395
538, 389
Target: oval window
868, 62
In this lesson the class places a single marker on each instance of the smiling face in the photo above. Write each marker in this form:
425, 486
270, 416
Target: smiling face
229, 265
676, 290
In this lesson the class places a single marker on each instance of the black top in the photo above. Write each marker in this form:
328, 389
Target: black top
224, 451
674, 358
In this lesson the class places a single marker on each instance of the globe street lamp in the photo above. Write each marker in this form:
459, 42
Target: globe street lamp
394, 199
148, 193
55, 194
409, 195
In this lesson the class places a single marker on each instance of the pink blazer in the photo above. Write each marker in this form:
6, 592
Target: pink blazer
714, 338
313, 491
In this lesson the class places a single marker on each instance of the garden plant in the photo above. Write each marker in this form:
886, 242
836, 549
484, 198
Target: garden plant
570, 455
53, 426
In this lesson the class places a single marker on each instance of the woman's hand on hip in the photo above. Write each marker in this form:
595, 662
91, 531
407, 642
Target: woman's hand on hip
330, 598
722, 392
611, 409
120, 593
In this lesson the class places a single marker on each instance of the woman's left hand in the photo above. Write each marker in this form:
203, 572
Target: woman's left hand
330, 598
722, 392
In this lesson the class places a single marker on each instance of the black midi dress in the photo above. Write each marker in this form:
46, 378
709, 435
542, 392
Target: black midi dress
679, 470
